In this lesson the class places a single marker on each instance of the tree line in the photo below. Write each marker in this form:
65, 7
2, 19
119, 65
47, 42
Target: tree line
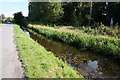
75, 13
4, 19
71, 13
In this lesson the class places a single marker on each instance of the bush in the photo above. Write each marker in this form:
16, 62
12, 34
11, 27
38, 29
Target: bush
102, 30
20, 19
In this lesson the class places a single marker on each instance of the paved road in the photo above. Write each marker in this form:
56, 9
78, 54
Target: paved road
11, 66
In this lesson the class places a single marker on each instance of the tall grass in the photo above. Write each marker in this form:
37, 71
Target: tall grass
103, 30
102, 44
40, 63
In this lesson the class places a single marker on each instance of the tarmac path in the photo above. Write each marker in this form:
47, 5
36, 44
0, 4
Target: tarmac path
11, 66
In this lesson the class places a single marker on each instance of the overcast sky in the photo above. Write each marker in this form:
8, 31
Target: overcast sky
9, 7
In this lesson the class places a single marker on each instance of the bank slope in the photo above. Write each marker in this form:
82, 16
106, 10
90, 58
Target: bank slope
38, 62
101, 44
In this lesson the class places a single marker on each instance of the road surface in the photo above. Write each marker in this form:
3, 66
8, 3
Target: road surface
11, 66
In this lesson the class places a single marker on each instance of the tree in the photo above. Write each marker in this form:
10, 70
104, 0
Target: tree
45, 12
103, 12
2, 16
115, 12
20, 19
9, 19
76, 11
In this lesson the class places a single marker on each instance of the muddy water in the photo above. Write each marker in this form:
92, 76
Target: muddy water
87, 63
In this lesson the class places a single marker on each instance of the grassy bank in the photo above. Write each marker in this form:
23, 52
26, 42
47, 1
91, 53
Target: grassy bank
102, 30
75, 37
93, 30
38, 62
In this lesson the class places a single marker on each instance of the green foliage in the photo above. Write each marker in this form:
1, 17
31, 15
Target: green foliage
2, 16
73, 19
20, 19
75, 13
38, 62
45, 12
102, 30
103, 12
9, 19
103, 44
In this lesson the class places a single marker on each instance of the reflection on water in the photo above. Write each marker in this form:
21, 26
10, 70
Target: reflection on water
89, 64
27, 33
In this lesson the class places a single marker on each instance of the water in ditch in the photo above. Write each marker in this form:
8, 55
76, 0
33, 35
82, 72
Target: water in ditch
88, 64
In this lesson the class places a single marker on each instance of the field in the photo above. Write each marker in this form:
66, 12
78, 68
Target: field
38, 62
102, 43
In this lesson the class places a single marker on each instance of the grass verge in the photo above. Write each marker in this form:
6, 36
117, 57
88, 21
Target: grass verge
38, 62
101, 44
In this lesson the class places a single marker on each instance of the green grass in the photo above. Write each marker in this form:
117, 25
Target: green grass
38, 62
101, 29
99, 43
